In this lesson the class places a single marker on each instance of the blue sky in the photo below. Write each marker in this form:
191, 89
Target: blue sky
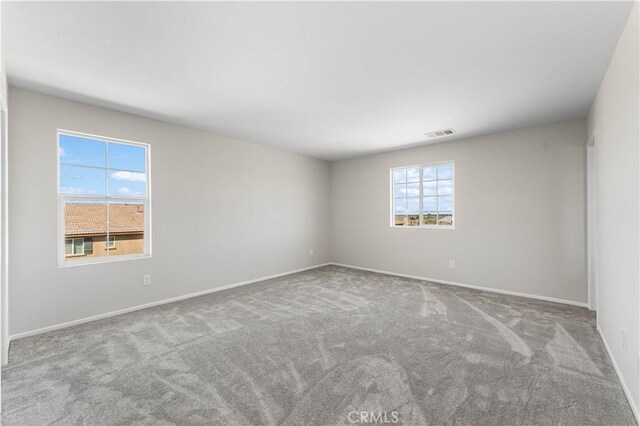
84, 169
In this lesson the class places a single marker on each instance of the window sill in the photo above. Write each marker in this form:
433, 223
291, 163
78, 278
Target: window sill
99, 260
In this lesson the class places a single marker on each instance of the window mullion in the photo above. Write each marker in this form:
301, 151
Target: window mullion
108, 228
106, 166
437, 199
420, 202
80, 197
106, 194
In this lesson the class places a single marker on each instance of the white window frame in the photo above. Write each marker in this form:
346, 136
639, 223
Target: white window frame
62, 198
392, 215
110, 241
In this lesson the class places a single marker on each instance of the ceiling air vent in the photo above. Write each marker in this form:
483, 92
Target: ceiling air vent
437, 134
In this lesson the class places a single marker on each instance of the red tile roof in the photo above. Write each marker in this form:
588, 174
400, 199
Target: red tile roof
91, 218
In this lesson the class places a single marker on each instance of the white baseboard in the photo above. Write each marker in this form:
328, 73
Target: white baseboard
152, 304
226, 287
619, 374
475, 287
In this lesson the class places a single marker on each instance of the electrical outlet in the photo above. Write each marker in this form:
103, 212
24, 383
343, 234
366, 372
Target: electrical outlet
624, 339
310, 252
147, 280
452, 264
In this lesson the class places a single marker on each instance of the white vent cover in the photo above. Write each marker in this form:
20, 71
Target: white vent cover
437, 134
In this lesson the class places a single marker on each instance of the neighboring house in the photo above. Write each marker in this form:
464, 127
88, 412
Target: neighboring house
86, 229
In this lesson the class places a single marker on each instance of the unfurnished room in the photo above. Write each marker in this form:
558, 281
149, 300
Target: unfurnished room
320, 213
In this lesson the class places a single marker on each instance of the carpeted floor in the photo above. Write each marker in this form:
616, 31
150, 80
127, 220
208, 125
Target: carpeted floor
311, 348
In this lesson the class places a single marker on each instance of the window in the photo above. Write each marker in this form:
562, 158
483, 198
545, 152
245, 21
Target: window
423, 196
74, 246
103, 192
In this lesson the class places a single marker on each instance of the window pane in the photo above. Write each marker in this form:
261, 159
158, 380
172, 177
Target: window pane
430, 219
78, 245
126, 157
413, 205
98, 169
126, 223
445, 219
413, 174
429, 173
82, 151
430, 205
400, 205
88, 245
430, 188
84, 220
77, 180
399, 175
445, 171
445, 204
127, 184
400, 190
445, 187
413, 189
400, 220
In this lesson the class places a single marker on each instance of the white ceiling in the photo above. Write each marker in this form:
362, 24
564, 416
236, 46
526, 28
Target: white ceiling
329, 80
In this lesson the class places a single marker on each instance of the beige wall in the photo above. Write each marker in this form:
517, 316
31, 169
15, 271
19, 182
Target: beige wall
223, 211
519, 213
614, 118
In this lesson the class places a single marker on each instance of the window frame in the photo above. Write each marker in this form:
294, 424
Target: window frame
62, 198
392, 214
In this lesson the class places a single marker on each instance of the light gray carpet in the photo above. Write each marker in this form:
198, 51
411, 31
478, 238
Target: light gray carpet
310, 348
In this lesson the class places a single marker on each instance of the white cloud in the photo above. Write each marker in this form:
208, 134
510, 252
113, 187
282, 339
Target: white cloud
76, 191
127, 191
61, 151
130, 176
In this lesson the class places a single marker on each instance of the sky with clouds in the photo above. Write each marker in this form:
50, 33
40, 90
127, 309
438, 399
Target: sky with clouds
437, 189
92, 167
